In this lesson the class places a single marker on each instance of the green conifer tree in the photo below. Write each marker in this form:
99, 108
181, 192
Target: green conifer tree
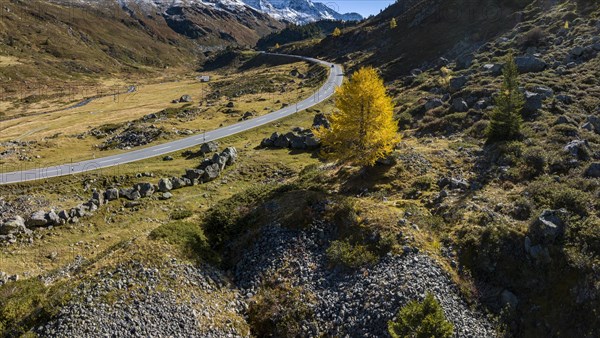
505, 122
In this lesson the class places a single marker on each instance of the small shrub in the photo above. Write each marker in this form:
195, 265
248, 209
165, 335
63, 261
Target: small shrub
424, 319
226, 219
534, 37
534, 161
188, 236
424, 183
509, 153
181, 214
555, 195
405, 120
25, 304
280, 311
344, 254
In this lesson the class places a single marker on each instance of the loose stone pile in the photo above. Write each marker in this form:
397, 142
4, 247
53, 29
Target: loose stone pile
173, 300
356, 304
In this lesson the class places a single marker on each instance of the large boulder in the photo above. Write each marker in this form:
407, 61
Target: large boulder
64, 215
111, 194
530, 64
460, 105
53, 218
266, 142
457, 83
533, 102
320, 120
593, 123
185, 98
433, 103
145, 189
593, 170
494, 69
192, 174
231, 154
312, 141
297, 141
165, 185
13, 225
550, 225
220, 159
205, 163
98, 196
282, 142
577, 149
177, 183
209, 147
464, 61
546, 92
37, 219
131, 194
211, 172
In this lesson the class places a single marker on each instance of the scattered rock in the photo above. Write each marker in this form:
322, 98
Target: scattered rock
37, 219
166, 196
459, 105
185, 98
433, 103
13, 225
457, 83
320, 120
165, 185
145, 189
209, 147
211, 172
533, 102
168, 158
550, 225
130, 194
493, 68
530, 64
464, 61
593, 170
111, 194
578, 149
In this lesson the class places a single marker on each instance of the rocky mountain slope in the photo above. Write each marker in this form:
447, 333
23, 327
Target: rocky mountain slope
64, 41
426, 29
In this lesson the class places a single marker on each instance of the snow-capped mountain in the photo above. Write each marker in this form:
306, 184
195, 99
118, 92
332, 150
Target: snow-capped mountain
299, 11
296, 11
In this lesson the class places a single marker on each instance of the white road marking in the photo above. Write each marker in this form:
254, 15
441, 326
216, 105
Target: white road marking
159, 149
114, 159
234, 128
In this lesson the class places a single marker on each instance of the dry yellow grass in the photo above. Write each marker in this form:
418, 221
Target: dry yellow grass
8, 61
110, 226
55, 132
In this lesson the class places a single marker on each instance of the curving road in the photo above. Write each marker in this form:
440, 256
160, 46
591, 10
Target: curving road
335, 79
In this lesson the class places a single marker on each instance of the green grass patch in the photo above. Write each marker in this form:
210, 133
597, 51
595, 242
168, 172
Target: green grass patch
189, 237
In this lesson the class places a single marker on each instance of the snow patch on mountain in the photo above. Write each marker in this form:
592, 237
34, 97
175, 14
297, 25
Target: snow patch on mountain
299, 11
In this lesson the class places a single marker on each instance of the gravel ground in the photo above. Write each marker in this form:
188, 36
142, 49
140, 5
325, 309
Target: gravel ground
180, 300
176, 300
355, 304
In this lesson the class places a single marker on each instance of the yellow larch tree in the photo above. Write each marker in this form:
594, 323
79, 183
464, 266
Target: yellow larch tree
363, 129
393, 23
336, 32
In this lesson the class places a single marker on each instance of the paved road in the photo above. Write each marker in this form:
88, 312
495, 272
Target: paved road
335, 79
